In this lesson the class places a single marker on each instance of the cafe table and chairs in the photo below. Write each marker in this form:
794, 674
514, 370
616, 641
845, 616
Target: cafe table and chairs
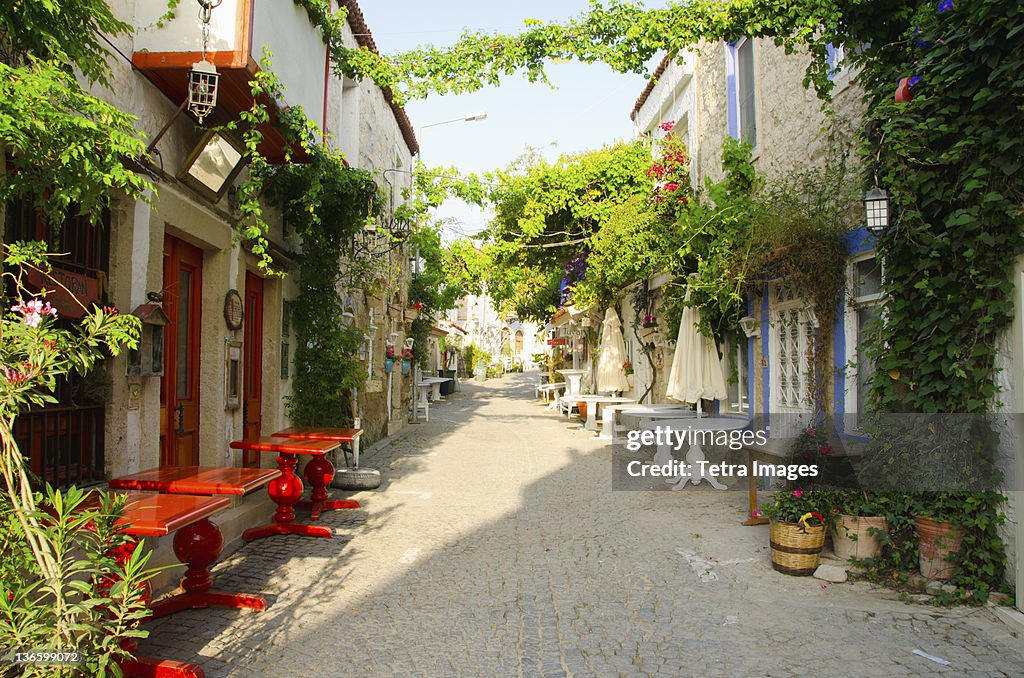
613, 416
187, 516
198, 543
695, 470
435, 386
286, 490
320, 471
596, 401
610, 413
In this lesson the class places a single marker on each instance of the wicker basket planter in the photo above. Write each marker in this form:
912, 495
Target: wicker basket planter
795, 550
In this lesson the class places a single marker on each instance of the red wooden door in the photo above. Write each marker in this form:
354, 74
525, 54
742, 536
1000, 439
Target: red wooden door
252, 366
179, 393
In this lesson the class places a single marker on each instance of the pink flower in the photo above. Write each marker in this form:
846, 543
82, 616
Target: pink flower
671, 186
32, 311
810, 431
12, 375
827, 449
798, 493
667, 125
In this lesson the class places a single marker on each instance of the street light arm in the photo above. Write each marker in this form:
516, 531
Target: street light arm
472, 117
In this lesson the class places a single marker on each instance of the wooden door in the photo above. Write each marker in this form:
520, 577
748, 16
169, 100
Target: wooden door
179, 393
252, 366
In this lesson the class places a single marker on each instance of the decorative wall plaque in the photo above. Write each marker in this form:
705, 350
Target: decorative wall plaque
233, 310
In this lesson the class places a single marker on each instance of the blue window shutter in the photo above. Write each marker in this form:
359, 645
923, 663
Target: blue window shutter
732, 93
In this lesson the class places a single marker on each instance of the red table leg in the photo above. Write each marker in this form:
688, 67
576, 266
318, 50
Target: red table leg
285, 490
198, 546
150, 667
319, 472
147, 667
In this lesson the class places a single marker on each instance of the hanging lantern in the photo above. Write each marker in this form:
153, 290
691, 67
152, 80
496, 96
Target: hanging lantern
876, 206
203, 77
202, 89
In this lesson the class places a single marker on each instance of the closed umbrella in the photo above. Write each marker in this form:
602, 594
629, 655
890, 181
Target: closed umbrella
611, 375
696, 370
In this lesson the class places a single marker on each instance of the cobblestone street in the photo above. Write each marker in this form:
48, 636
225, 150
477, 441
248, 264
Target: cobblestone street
495, 547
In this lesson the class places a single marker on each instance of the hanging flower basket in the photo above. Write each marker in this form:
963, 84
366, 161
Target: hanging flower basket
389, 365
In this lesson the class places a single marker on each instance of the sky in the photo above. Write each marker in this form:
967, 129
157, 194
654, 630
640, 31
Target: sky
589, 109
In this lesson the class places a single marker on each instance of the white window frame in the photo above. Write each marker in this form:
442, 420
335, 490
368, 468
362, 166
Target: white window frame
733, 69
854, 303
735, 345
781, 303
838, 66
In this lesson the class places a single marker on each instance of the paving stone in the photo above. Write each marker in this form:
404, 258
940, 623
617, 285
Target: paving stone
529, 565
832, 573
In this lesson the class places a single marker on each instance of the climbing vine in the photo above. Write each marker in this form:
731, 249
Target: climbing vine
326, 202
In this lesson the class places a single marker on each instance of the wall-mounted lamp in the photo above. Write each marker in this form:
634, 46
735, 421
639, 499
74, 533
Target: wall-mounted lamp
212, 165
749, 326
876, 207
148, 359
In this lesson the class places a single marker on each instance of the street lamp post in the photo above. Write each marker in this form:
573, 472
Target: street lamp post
413, 391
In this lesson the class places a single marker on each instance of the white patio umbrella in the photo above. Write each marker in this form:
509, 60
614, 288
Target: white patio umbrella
696, 370
611, 375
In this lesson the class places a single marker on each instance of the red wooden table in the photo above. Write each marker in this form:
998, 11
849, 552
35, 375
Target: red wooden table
287, 489
320, 471
156, 515
199, 543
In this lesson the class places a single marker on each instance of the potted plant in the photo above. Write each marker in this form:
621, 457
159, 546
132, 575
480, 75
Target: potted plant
857, 523
389, 359
628, 368
414, 310
407, 358
939, 532
797, 530
649, 326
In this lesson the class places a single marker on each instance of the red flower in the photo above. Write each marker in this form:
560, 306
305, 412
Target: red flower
798, 493
667, 125
671, 186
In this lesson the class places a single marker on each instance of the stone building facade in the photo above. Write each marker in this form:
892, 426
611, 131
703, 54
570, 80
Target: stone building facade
228, 347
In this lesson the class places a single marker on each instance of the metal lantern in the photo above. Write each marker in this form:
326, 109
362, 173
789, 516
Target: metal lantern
202, 89
749, 326
876, 206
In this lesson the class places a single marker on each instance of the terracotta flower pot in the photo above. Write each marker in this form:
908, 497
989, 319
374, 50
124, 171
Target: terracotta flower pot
937, 541
851, 537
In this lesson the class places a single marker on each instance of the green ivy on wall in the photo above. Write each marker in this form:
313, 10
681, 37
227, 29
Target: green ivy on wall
326, 203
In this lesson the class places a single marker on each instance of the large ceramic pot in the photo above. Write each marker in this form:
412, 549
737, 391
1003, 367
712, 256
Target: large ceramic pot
938, 540
852, 538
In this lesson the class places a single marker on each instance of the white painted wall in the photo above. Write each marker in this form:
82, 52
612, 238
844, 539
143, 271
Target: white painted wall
182, 33
299, 55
